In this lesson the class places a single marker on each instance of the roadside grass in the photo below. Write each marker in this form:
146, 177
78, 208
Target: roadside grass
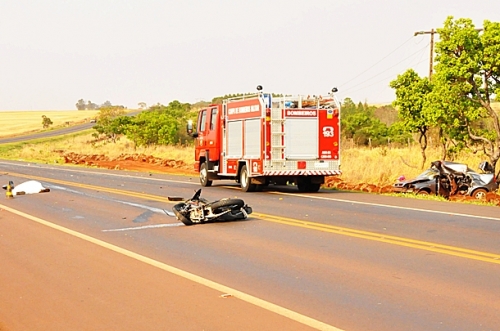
439, 198
383, 165
48, 150
417, 196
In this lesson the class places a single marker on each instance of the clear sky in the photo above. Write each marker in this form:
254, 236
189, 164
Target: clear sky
55, 52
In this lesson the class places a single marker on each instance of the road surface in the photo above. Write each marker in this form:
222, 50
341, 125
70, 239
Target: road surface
97, 251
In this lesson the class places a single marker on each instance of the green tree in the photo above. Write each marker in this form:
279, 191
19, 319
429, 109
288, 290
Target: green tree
91, 106
411, 94
111, 122
358, 122
348, 107
80, 105
161, 124
46, 122
466, 81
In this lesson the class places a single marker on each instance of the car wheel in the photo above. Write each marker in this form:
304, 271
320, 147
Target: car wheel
480, 193
423, 192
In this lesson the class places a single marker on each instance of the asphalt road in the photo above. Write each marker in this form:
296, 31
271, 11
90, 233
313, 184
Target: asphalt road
56, 132
97, 251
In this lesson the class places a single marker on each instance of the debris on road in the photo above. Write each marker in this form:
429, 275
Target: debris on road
29, 187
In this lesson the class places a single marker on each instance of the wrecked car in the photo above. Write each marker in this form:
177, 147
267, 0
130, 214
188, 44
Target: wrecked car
447, 178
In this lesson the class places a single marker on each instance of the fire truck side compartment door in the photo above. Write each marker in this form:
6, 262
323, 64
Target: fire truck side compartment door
301, 138
235, 139
252, 139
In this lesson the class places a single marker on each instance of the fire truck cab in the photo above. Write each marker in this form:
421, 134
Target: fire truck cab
259, 139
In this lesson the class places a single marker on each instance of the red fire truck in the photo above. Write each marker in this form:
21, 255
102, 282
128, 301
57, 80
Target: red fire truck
259, 139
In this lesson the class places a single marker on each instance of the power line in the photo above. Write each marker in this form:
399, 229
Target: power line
385, 70
376, 62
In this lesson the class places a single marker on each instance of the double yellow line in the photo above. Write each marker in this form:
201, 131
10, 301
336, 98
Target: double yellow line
394, 240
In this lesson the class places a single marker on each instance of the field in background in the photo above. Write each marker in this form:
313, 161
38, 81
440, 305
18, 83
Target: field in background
17, 122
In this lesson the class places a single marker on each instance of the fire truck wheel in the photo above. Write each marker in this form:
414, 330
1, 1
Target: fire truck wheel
307, 186
205, 182
314, 187
246, 186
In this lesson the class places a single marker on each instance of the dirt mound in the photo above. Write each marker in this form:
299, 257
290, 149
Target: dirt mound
338, 183
132, 162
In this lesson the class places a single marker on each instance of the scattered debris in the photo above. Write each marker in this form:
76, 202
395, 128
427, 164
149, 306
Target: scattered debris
9, 188
29, 187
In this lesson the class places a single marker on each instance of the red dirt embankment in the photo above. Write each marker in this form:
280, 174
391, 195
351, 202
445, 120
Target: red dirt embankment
148, 163
131, 162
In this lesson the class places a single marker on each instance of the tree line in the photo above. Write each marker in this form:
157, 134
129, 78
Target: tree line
89, 105
457, 100
158, 125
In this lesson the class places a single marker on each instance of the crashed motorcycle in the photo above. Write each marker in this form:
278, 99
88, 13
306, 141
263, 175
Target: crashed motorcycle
199, 210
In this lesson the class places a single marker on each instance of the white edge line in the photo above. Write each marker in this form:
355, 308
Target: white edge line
387, 206
153, 226
187, 275
104, 173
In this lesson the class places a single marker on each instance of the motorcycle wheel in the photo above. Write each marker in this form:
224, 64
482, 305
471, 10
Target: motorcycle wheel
225, 204
176, 208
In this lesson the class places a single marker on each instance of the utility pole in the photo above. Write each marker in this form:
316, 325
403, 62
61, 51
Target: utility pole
431, 62
432, 32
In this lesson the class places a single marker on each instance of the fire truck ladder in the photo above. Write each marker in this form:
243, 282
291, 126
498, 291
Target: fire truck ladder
277, 137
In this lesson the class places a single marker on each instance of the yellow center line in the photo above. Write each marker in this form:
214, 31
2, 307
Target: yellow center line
394, 240
96, 188
400, 241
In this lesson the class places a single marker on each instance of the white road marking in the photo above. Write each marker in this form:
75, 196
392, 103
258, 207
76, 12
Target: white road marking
107, 174
138, 205
386, 206
293, 315
154, 226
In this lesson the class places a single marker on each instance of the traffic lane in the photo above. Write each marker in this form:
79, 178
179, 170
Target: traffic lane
52, 280
448, 228
348, 282
315, 273
440, 222
92, 211
448, 224
55, 132
48, 134
117, 178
